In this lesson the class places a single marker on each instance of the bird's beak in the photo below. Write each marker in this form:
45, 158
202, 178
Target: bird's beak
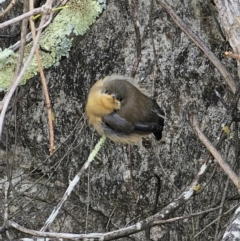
113, 96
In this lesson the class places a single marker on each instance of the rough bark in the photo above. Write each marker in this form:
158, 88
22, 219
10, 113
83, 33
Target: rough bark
120, 187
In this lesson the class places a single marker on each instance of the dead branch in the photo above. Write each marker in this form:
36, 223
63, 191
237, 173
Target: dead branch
229, 13
226, 168
73, 183
22, 41
199, 43
8, 8
44, 85
138, 37
218, 225
47, 9
104, 236
153, 220
232, 55
214, 221
154, 50
21, 17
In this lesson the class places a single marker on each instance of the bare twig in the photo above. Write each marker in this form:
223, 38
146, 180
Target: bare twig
15, 46
208, 225
231, 174
221, 208
44, 84
167, 175
73, 183
138, 37
113, 235
22, 41
211, 56
232, 55
8, 8
21, 17
17, 80
154, 50
149, 222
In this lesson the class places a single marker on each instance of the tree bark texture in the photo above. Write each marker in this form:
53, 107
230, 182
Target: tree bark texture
121, 185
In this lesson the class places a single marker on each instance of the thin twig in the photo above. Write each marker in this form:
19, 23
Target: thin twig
73, 183
232, 55
211, 56
18, 69
88, 201
15, 46
149, 222
21, 17
8, 8
230, 173
113, 235
138, 37
22, 41
221, 208
208, 225
17, 80
44, 84
154, 50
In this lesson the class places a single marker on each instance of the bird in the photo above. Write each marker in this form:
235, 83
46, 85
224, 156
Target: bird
117, 109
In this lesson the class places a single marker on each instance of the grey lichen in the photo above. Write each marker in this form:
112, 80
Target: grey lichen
55, 40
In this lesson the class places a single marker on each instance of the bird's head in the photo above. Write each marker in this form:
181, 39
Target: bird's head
115, 89
111, 98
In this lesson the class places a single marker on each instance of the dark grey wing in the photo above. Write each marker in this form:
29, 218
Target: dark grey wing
142, 128
118, 124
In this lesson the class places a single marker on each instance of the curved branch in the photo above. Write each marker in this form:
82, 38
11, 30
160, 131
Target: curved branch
226, 168
211, 56
100, 236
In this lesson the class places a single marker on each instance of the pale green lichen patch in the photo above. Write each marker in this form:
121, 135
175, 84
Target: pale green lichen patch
55, 41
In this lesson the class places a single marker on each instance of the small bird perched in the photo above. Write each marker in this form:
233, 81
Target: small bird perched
121, 112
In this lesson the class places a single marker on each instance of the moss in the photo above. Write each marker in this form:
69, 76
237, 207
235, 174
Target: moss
55, 41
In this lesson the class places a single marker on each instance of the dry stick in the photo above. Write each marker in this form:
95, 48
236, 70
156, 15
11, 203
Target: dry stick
232, 55
21, 17
17, 80
18, 69
209, 224
22, 44
15, 83
73, 183
218, 225
44, 85
230, 173
211, 56
149, 222
154, 50
8, 8
138, 37
22, 41
101, 236
15, 46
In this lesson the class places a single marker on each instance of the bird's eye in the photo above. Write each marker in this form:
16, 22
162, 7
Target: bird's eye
106, 91
121, 99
